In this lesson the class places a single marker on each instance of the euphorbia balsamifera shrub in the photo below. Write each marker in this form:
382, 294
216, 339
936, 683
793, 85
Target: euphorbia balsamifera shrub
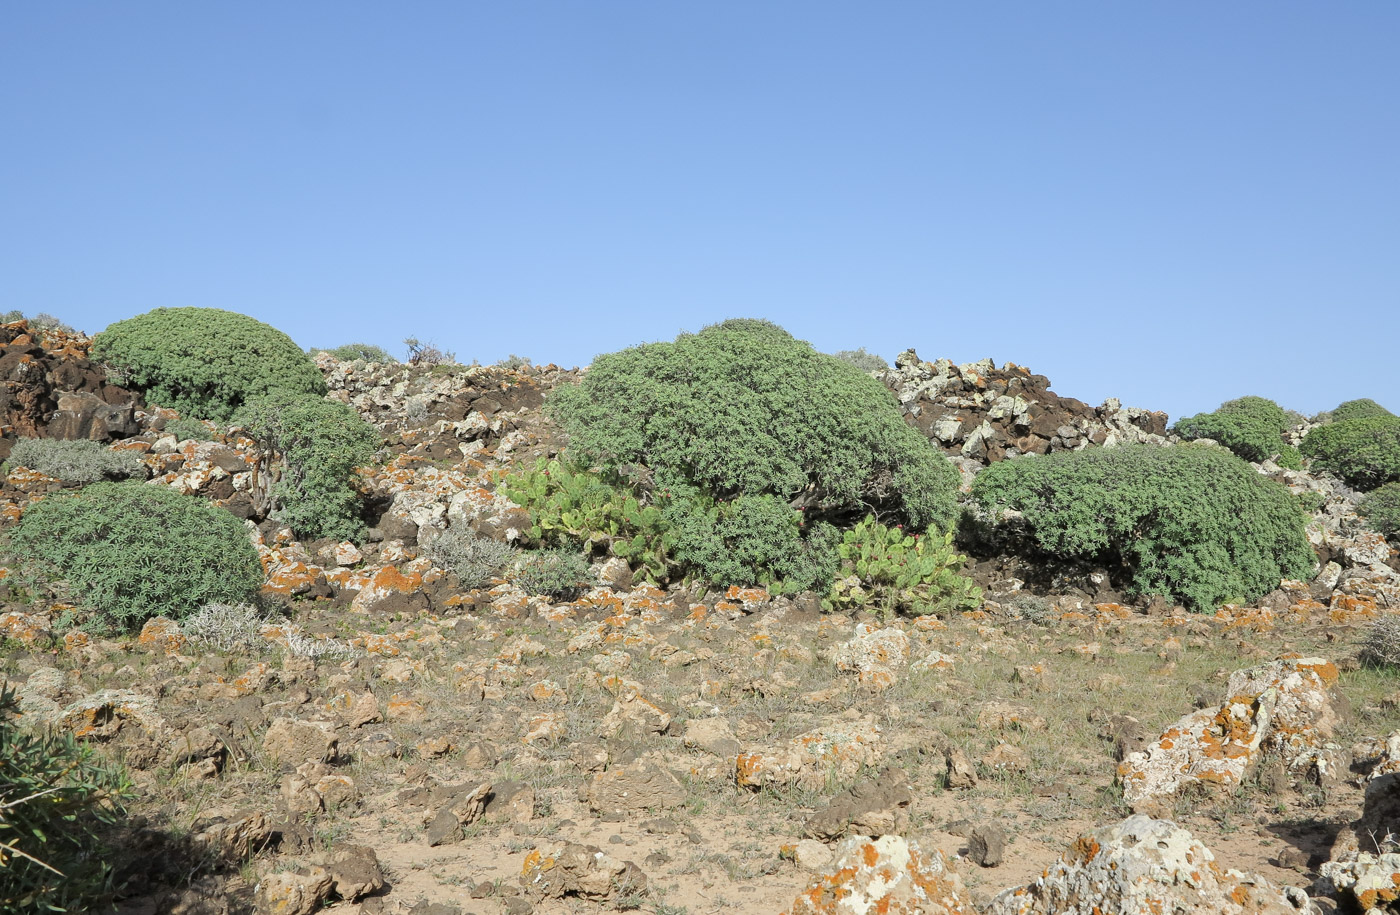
1364, 452
205, 362
1381, 509
743, 411
1251, 427
1364, 408
131, 551
1193, 523
317, 444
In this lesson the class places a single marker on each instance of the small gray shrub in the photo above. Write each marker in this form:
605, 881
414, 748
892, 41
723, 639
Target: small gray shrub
514, 362
475, 559
189, 429
76, 461
1032, 608
300, 645
866, 362
560, 574
227, 628
1381, 644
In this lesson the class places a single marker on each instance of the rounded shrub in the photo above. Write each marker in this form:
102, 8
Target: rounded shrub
205, 361
1364, 408
1364, 452
320, 443
1381, 509
1192, 523
559, 573
76, 461
756, 444
132, 551
1251, 427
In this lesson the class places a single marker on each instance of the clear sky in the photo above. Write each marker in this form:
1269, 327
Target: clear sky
1171, 203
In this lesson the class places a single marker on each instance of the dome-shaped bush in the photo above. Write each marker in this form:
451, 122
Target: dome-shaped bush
132, 551
1192, 522
1364, 408
1251, 427
1364, 452
205, 361
756, 445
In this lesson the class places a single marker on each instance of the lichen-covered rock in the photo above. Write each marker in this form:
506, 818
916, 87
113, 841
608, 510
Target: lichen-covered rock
887, 875
1144, 866
874, 655
585, 871
1370, 881
811, 758
1282, 707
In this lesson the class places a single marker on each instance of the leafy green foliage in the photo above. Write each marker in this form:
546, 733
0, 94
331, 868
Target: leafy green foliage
1381, 509
1364, 408
750, 540
321, 442
132, 551
569, 506
866, 362
475, 559
742, 408
363, 352
558, 573
1193, 523
889, 571
55, 800
76, 461
1251, 427
1364, 452
205, 361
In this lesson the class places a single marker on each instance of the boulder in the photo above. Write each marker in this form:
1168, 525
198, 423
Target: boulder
888, 874
1144, 866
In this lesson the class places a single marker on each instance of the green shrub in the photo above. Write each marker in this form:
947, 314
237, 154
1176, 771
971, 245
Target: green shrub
750, 540
320, 443
1364, 452
204, 361
570, 506
56, 801
741, 424
1251, 427
76, 461
475, 559
132, 551
363, 352
561, 574
887, 570
866, 362
1381, 509
1192, 523
189, 429
1365, 408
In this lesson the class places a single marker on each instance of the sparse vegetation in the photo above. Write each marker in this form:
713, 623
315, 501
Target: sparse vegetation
132, 551
1192, 523
76, 461
1381, 644
205, 362
421, 353
361, 352
866, 362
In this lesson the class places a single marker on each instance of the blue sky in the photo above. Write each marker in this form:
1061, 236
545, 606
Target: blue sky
1174, 204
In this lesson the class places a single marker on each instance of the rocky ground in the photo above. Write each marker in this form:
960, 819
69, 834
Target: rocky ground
381, 740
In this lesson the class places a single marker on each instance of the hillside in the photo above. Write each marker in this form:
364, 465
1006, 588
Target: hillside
438, 715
